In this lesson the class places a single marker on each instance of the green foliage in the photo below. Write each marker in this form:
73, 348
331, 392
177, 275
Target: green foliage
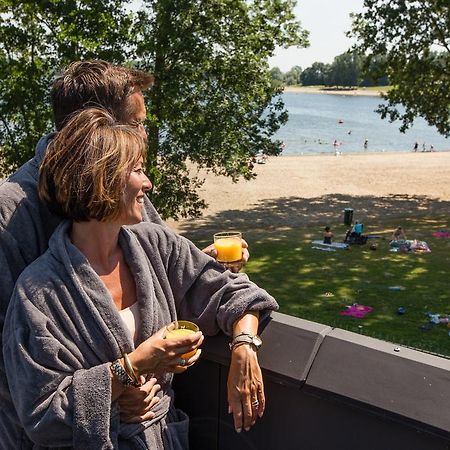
413, 40
214, 101
35, 39
317, 73
345, 70
292, 77
213, 104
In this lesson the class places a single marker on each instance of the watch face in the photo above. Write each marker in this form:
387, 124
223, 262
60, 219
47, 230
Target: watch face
257, 341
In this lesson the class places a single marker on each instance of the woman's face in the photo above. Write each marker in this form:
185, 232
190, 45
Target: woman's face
133, 196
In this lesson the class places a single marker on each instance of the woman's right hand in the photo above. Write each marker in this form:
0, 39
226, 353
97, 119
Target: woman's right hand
159, 355
136, 403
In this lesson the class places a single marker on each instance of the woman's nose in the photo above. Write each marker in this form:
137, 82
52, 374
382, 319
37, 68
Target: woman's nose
146, 183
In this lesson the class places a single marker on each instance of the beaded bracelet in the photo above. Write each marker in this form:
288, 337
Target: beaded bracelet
121, 374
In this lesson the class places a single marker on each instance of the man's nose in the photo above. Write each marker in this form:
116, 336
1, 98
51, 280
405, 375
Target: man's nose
142, 130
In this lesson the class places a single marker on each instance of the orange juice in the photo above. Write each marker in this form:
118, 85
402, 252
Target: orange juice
183, 331
228, 249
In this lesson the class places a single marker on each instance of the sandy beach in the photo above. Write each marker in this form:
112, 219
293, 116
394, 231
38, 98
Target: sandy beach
316, 90
293, 191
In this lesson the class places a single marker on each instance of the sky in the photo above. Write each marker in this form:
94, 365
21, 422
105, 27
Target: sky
327, 21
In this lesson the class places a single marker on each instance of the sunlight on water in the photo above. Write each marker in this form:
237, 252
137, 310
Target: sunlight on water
317, 120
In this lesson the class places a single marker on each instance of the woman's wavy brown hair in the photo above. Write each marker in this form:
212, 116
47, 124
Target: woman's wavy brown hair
86, 166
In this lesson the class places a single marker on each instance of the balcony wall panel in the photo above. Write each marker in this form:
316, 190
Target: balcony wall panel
325, 389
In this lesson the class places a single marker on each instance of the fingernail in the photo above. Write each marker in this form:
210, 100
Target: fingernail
229, 410
260, 414
247, 428
238, 430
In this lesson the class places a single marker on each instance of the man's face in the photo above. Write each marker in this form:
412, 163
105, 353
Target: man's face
139, 113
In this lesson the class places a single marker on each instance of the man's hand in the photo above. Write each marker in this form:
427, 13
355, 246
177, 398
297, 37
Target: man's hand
136, 402
235, 266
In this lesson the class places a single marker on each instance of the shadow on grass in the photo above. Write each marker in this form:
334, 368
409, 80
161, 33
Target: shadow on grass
295, 211
285, 264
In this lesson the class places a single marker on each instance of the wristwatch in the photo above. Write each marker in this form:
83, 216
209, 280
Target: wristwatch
246, 338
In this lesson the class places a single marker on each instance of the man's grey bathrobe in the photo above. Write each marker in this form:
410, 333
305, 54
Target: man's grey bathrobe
62, 331
25, 228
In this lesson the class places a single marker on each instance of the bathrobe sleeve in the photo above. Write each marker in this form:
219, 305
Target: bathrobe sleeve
58, 401
204, 291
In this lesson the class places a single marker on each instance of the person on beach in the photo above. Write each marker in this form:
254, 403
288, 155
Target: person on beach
327, 235
26, 224
87, 319
398, 234
357, 229
366, 144
416, 146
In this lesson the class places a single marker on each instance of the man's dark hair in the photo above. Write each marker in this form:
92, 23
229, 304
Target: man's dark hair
96, 83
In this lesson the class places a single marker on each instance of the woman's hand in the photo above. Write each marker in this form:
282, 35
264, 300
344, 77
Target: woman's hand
136, 402
159, 355
245, 387
235, 266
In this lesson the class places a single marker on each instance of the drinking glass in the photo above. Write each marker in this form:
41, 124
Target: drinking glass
228, 246
181, 328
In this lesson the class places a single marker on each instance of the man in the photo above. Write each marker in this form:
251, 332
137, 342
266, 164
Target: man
26, 224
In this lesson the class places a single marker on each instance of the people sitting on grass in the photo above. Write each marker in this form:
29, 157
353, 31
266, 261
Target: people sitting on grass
357, 228
398, 234
354, 235
327, 235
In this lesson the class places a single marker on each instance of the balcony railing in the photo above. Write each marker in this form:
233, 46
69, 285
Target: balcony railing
325, 389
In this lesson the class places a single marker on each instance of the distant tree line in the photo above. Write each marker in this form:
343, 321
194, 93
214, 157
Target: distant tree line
347, 69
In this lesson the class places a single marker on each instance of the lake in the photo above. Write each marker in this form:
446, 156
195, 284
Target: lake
316, 121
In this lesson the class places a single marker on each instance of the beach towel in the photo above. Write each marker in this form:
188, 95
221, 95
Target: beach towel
441, 233
324, 249
358, 311
340, 245
62, 331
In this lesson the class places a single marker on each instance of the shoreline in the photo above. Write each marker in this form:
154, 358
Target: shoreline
318, 90
362, 152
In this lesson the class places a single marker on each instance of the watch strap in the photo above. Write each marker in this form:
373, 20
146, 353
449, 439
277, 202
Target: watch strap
245, 338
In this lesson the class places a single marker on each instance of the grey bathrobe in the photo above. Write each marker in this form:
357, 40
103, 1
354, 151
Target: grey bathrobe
62, 331
25, 228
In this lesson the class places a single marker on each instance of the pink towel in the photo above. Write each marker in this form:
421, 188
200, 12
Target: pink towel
441, 234
358, 311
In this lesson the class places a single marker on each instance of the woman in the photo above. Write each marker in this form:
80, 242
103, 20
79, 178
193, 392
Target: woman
86, 323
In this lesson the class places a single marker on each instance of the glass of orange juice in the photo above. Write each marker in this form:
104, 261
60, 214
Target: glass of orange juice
181, 328
228, 246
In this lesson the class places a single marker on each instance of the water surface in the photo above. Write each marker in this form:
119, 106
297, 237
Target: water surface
316, 121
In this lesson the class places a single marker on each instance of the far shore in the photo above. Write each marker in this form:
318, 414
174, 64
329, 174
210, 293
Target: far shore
320, 90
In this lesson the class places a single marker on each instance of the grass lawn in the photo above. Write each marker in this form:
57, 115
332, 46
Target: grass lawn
298, 276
